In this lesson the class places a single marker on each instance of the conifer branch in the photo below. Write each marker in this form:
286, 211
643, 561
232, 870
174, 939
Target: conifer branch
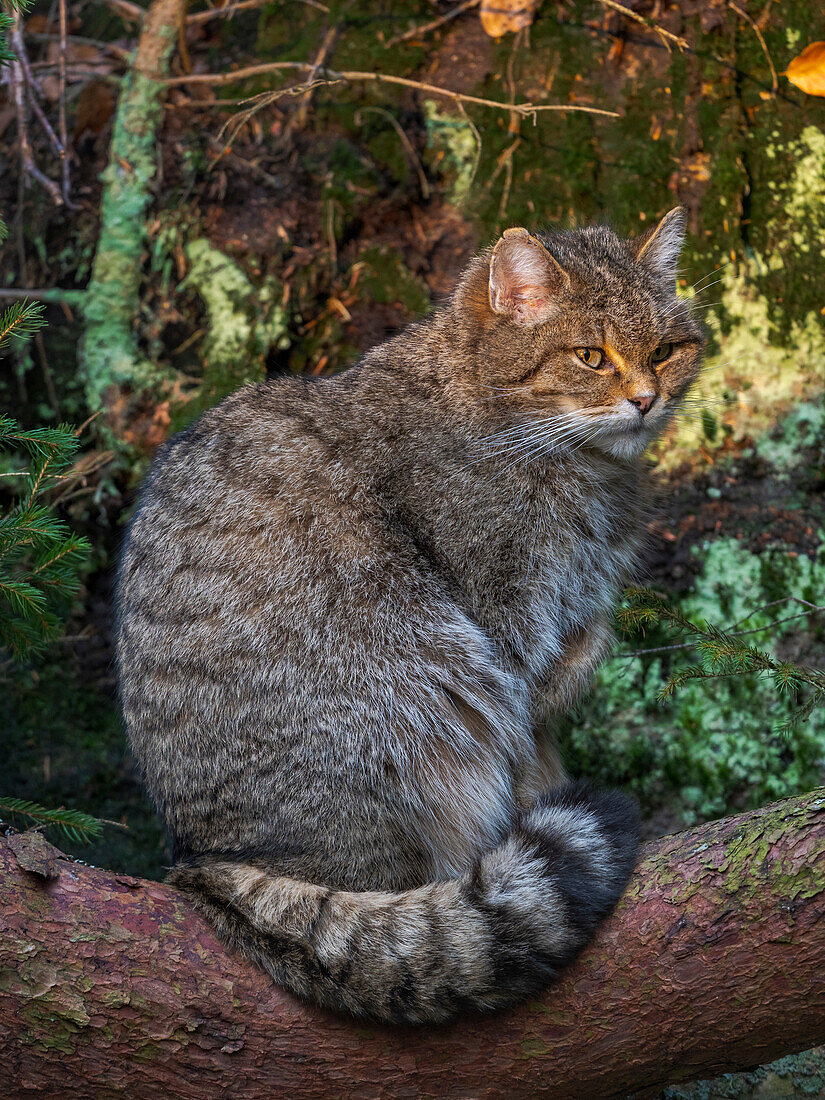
723, 653
73, 825
40, 558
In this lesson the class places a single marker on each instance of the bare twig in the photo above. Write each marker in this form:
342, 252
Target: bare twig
298, 119
18, 44
665, 36
731, 633
264, 99
48, 377
41, 117
425, 28
47, 294
762, 43
270, 182
61, 99
502, 161
129, 12
101, 69
119, 52
242, 5
527, 110
514, 126
70, 484
330, 226
405, 141
17, 83
765, 606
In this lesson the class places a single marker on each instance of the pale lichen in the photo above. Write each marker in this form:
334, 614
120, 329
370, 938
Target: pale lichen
244, 322
109, 353
452, 138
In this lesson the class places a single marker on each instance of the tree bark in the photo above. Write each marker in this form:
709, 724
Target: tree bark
714, 961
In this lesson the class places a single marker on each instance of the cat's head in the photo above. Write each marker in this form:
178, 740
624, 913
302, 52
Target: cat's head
579, 337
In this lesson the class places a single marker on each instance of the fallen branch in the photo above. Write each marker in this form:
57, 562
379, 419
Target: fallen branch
748, 19
46, 294
110, 359
665, 36
425, 28
526, 110
714, 961
243, 5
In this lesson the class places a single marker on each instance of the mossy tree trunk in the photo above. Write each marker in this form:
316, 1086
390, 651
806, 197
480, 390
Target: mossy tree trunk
714, 961
110, 360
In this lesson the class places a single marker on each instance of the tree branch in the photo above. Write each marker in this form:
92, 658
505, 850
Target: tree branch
714, 961
524, 109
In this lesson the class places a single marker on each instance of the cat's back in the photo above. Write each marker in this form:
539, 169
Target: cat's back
269, 467
276, 439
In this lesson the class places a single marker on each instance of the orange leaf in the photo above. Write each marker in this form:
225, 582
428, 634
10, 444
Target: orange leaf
499, 17
808, 70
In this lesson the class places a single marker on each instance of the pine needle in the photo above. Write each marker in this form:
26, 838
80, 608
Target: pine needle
72, 825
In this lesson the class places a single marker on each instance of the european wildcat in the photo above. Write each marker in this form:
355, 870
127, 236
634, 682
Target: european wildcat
347, 607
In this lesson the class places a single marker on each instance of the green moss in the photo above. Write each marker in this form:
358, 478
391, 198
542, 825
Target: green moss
533, 1048
802, 429
450, 139
751, 378
712, 748
386, 280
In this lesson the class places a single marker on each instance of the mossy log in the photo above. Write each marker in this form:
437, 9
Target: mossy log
714, 961
109, 356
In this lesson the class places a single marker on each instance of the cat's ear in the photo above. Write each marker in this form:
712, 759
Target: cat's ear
524, 278
659, 248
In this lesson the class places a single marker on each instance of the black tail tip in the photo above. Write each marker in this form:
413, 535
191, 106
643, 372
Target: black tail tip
590, 837
616, 812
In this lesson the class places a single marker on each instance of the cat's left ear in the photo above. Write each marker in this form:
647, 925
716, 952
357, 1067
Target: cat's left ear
524, 279
659, 248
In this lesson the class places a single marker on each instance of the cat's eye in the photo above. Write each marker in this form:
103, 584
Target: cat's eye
664, 351
591, 357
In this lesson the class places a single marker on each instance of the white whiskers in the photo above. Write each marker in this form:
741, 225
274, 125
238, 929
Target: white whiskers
535, 438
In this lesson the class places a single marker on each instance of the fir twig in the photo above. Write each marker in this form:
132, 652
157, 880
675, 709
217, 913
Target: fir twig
40, 558
723, 653
74, 825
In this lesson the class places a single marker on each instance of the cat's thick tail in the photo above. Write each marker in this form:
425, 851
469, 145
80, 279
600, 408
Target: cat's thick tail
477, 943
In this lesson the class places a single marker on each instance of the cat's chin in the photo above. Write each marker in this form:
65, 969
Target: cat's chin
626, 445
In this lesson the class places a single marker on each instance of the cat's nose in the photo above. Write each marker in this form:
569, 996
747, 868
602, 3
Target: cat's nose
642, 401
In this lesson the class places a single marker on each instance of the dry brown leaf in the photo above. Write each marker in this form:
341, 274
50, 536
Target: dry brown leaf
808, 70
697, 166
77, 53
95, 106
500, 17
80, 58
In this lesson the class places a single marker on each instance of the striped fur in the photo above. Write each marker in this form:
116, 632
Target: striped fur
349, 610
480, 942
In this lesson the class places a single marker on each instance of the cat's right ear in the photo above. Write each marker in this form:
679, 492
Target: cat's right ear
525, 279
658, 249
